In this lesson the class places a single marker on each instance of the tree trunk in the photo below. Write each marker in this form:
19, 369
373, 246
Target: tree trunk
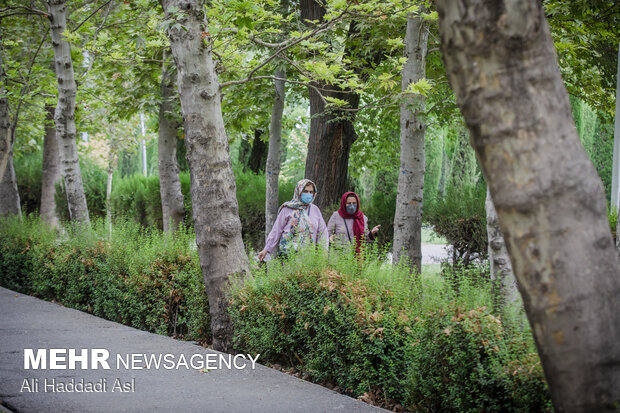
108, 194
501, 62
331, 132
615, 171
9, 197
65, 113
258, 155
503, 279
408, 215
443, 178
273, 155
51, 170
216, 213
169, 182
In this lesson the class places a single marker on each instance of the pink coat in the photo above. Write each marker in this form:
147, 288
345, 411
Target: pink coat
283, 225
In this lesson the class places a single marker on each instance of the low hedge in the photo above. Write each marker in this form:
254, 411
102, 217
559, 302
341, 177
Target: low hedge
142, 279
366, 329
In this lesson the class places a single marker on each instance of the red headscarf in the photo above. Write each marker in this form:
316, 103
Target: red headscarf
358, 218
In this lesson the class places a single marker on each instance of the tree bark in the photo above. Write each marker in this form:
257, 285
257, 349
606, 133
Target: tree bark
9, 197
615, 171
169, 182
503, 279
258, 154
331, 132
216, 213
502, 66
443, 178
273, 154
51, 170
65, 113
112, 162
408, 215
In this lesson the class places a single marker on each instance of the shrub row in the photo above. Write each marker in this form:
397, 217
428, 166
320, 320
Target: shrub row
138, 197
362, 326
138, 278
371, 331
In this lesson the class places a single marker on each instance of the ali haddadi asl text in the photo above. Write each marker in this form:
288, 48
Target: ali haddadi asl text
54, 385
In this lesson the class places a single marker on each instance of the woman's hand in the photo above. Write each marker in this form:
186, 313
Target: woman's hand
375, 230
261, 255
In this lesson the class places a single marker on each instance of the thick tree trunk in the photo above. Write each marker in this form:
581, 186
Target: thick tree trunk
408, 215
504, 282
216, 213
51, 170
273, 155
65, 113
331, 133
550, 202
169, 182
9, 197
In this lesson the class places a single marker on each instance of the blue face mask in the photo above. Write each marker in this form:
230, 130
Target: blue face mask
351, 209
306, 198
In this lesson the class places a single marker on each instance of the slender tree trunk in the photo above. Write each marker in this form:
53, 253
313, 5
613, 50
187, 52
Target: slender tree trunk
502, 277
108, 192
444, 170
169, 182
65, 113
615, 175
51, 170
9, 197
501, 62
218, 228
408, 215
273, 155
331, 132
258, 154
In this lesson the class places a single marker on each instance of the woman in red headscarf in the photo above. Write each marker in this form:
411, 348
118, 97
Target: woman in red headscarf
349, 224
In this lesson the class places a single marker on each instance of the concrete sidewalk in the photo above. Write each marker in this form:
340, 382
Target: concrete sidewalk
30, 323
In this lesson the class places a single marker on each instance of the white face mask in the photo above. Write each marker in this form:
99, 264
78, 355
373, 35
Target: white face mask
351, 209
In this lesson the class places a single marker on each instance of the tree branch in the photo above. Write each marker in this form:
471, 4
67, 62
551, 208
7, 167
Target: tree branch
91, 15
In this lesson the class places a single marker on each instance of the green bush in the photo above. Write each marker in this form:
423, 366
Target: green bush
460, 217
19, 244
143, 279
372, 332
28, 173
464, 363
335, 328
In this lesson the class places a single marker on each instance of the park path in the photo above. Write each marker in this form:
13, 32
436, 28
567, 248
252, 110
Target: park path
27, 322
434, 253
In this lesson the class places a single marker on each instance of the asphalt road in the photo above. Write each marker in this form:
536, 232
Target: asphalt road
29, 323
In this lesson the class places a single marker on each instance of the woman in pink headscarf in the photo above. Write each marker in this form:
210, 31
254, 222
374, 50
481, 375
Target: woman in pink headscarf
349, 224
299, 222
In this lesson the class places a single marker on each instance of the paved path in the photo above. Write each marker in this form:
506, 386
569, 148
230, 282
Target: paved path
27, 322
434, 253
